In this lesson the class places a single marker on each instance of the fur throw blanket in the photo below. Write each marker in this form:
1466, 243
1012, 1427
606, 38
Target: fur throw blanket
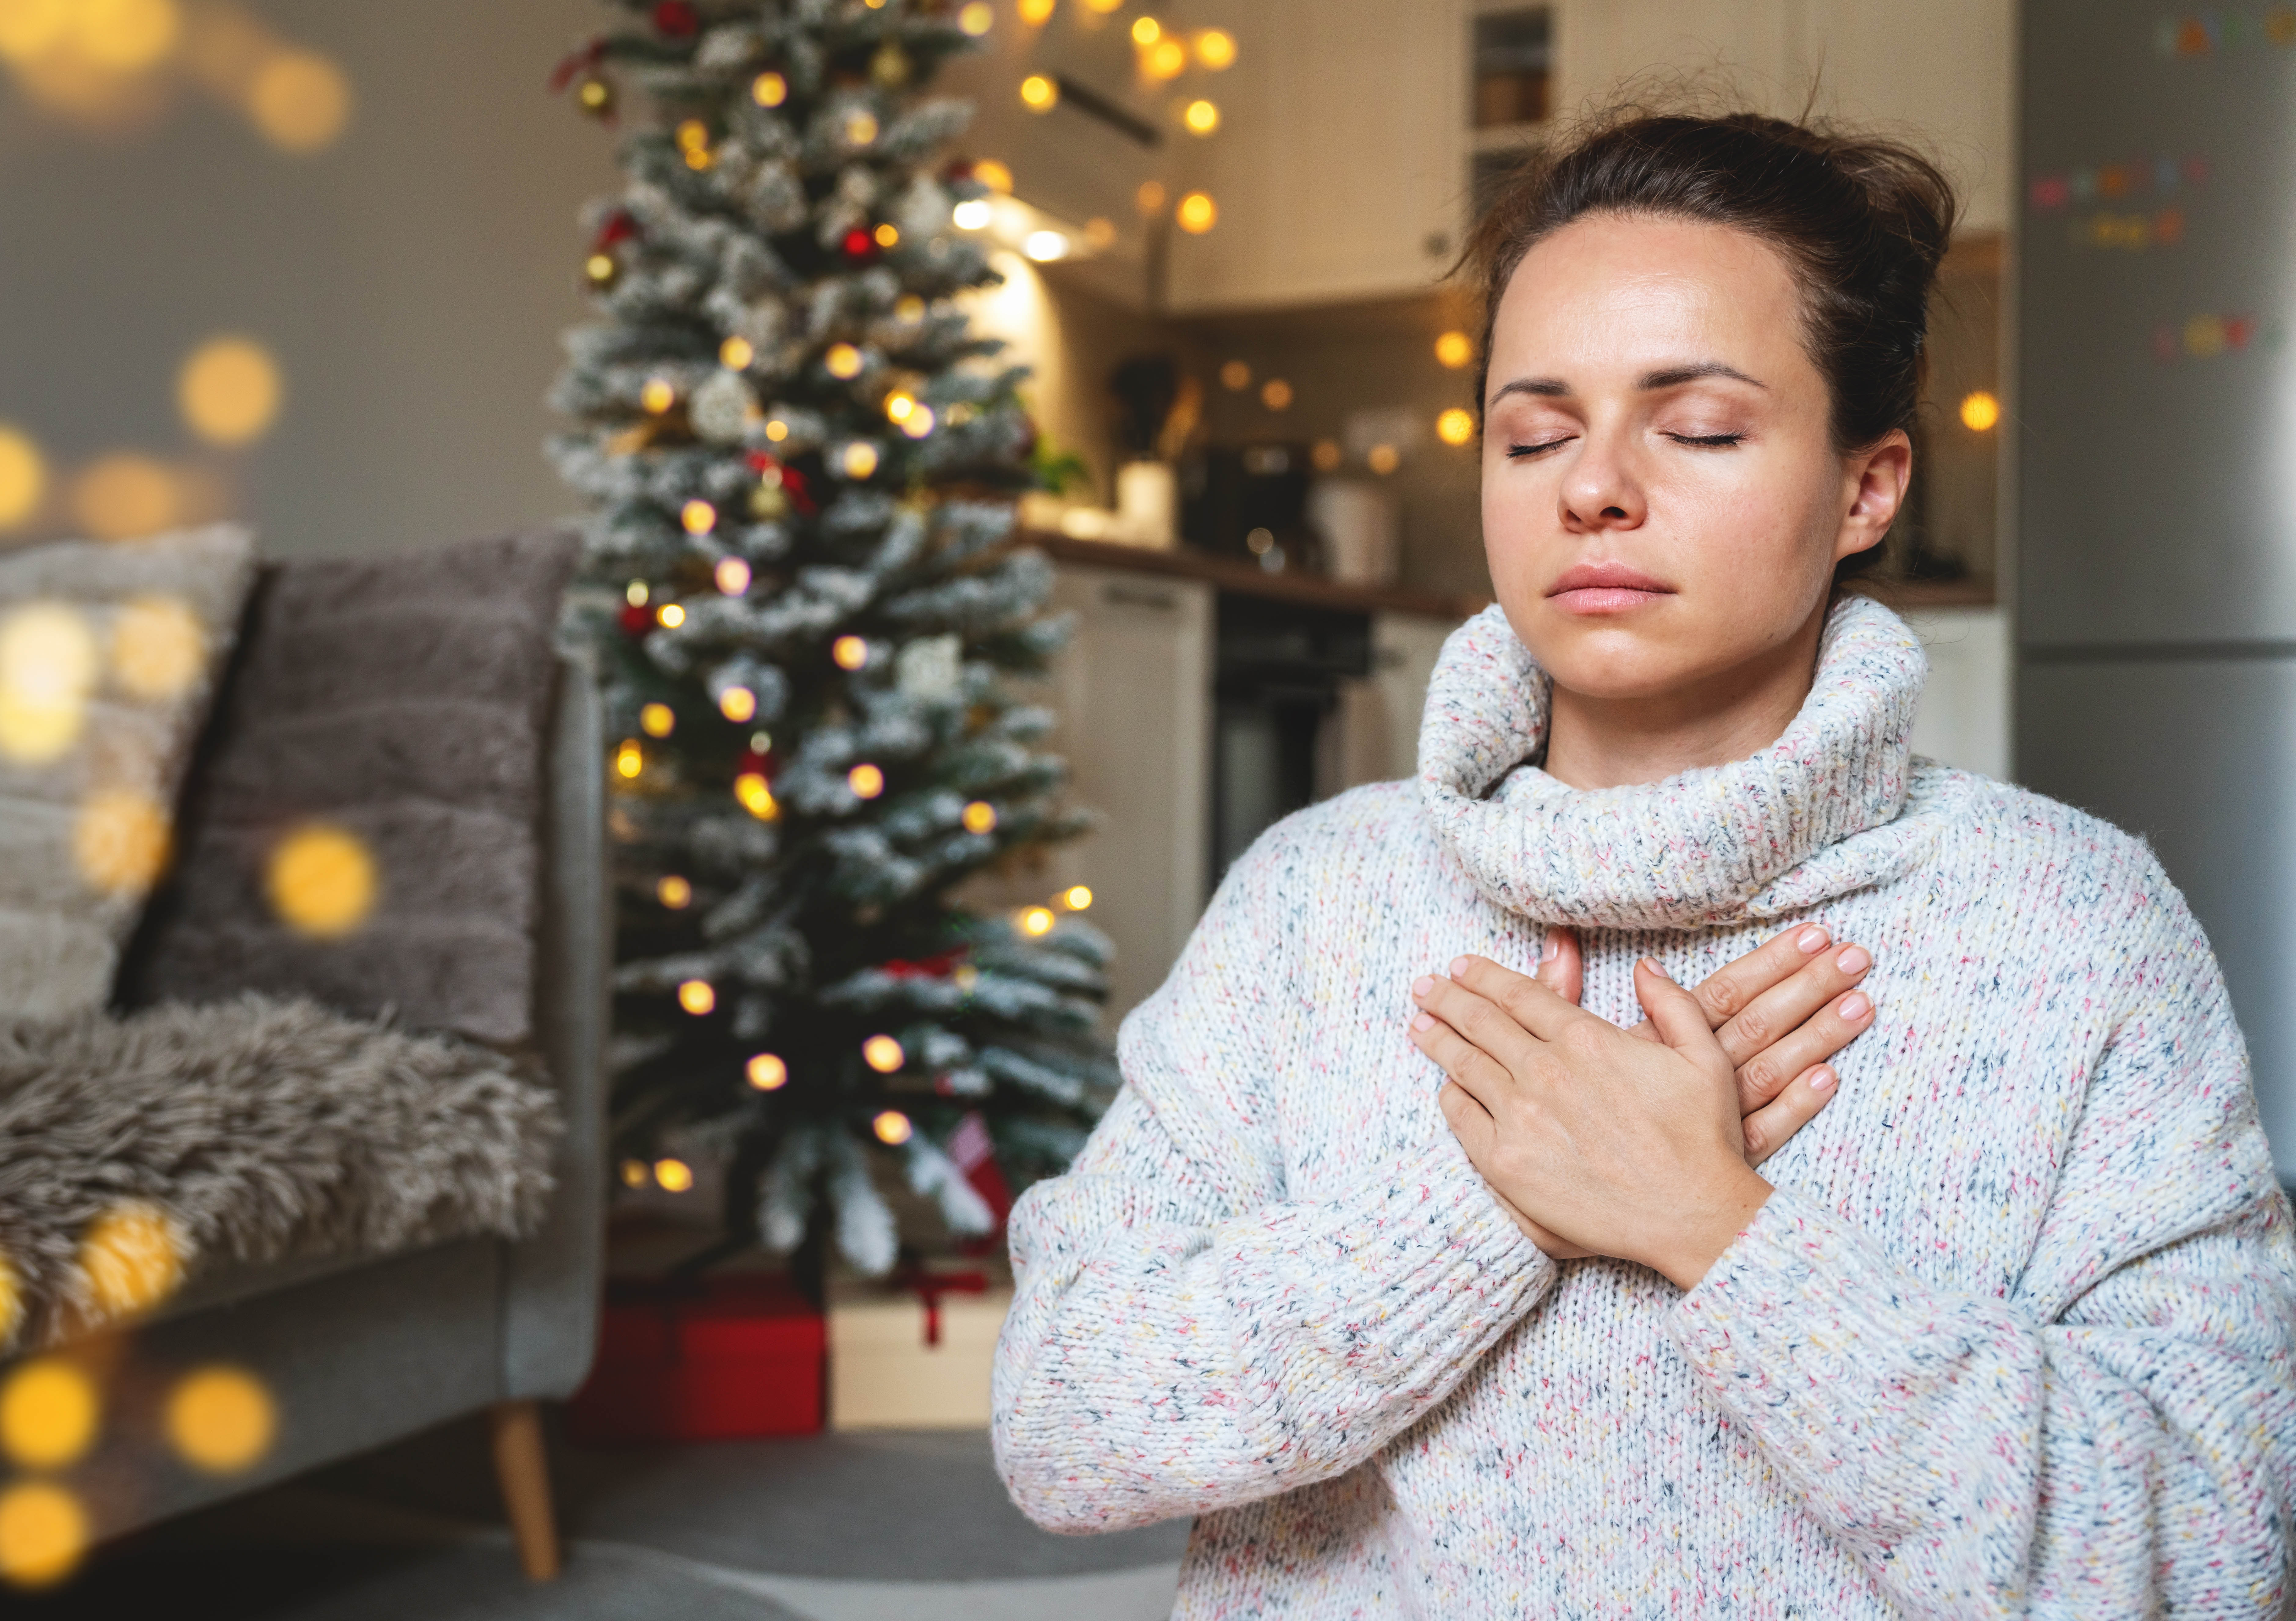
138, 1152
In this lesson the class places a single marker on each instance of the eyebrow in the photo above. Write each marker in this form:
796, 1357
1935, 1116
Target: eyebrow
1665, 377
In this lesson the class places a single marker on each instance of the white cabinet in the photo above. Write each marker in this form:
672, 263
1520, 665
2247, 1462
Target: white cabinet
1340, 165
1133, 692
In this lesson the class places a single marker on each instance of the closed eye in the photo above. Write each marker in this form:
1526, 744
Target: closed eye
1711, 441
1516, 452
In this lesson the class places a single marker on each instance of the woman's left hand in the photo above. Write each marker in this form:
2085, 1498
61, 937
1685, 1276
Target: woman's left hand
1622, 1146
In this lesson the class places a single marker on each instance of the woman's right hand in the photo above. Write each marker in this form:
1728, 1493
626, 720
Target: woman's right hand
1780, 1011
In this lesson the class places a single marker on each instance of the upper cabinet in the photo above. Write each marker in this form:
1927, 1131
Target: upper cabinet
1353, 132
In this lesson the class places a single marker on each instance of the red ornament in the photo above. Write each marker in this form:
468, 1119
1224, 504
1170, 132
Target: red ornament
975, 1153
618, 227
752, 762
927, 968
792, 482
677, 19
638, 618
860, 247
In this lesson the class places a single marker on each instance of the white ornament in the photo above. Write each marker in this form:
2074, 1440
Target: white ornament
721, 409
929, 668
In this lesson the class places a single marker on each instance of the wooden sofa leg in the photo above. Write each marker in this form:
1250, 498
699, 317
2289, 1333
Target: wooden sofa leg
522, 1466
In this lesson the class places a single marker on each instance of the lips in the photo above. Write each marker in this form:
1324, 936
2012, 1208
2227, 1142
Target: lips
1606, 589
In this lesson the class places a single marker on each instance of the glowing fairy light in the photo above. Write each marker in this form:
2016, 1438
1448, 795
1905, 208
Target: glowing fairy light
657, 720
120, 840
1077, 897
1197, 213
993, 174
1215, 49
1039, 93
732, 576
898, 404
979, 817
918, 423
1979, 412
658, 395
1455, 426
675, 893
865, 781
766, 1072
132, 1257
977, 17
630, 759
971, 214
674, 1175
848, 652
738, 705
697, 997
229, 390
671, 615
23, 476
883, 1054
735, 354
636, 1174
49, 1413
842, 361
887, 234
637, 592
698, 516
221, 1420
1454, 350
1201, 117
1036, 920
48, 666
322, 883
1146, 30
1275, 394
158, 648
860, 129
1167, 58
859, 460
43, 1534
756, 797
892, 1128
300, 101
1036, 13
769, 90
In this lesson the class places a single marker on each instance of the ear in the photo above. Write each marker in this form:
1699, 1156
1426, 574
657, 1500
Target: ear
1875, 481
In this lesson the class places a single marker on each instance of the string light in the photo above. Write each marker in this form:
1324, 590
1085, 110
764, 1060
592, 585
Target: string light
692, 133
1455, 426
657, 720
1036, 13
23, 476
848, 652
1150, 198
867, 781
132, 1257
658, 395
601, 269
634, 1174
993, 174
1215, 49
1980, 411
1382, 459
699, 517
736, 353
43, 1534
732, 575
1454, 349
738, 705
918, 422
909, 308
971, 214
49, 1411
1167, 58
595, 94
229, 390
1039, 93
757, 798
674, 892
860, 129
1036, 920
697, 997
859, 460
769, 90
979, 817
1235, 376
843, 361
635, 593
674, 1175
887, 235
883, 1054
1198, 213
777, 430
1275, 394
898, 404
1201, 117
630, 759
1046, 246
977, 18
671, 615
766, 1072
1326, 455
892, 1128
1146, 31
221, 1420
1077, 897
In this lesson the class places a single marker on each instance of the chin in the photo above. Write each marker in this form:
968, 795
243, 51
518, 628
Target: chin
1621, 656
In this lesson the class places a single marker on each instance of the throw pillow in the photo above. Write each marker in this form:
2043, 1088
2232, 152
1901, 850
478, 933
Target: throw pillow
363, 825
109, 652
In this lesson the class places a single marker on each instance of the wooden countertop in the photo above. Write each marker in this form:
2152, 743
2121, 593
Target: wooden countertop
1233, 574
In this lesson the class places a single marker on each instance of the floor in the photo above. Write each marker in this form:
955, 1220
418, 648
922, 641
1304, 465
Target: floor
912, 1525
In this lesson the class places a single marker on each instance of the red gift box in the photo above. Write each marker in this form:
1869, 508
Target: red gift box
710, 1359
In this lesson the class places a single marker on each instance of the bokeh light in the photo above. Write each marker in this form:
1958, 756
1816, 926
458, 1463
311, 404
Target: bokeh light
1235, 376
769, 90
898, 404
883, 1054
1980, 411
127, 36
1382, 459
323, 881
671, 615
300, 101
158, 648
1455, 426
918, 423
674, 892
659, 394
738, 705
49, 1413
1150, 198
860, 129
229, 390
43, 1534
120, 840
1201, 117
1215, 49
1167, 58
1146, 30
1327, 456
979, 817
1197, 213
674, 1175
849, 652
867, 781
756, 797
1039, 93
1036, 920
657, 720
892, 1128
1077, 897
698, 516
697, 997
1045, 247
1275, 394
976, 17
843, 361
887, 234
23, 472
133, 1257
735, 354
47, 669
732, 576
993, 174
1454, 349
634, 1174
1036, 13
766, 1072
630, 759
971, 214
221, 1419
124, 494
859, 460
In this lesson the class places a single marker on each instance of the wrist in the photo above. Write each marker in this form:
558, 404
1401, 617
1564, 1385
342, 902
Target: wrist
1710, 1222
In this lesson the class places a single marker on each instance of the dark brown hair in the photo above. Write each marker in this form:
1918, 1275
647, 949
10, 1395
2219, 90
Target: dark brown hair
1862, 222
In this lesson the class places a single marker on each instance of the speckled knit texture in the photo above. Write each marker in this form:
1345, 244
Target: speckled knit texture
2012, 1337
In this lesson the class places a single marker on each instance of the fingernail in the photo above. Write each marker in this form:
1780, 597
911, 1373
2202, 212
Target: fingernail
1812, 939
1424, 1021
1855, 1006
1854, 961
1424, 986
1549, 949
1458, 967
1822, 1079
1651, 963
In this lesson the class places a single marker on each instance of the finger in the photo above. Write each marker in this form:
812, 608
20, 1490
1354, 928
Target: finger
1770, 1127
1527, 1004
1561, 966
1681, 1022
1731, 989
1482, 1076
1816, 1039
1779, 1011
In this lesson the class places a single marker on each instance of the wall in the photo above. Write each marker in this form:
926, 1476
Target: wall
412, 279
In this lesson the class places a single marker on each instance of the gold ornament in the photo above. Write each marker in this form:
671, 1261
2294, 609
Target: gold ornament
595, 96
889, 67
768, 502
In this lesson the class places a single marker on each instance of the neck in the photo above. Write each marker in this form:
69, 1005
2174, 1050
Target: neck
1621, 743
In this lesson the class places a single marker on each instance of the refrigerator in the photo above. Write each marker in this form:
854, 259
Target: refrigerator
2155, 465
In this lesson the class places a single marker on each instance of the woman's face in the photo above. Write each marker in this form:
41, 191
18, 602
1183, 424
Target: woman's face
1662, 503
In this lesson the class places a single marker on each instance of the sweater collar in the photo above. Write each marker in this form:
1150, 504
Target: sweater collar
1814, 816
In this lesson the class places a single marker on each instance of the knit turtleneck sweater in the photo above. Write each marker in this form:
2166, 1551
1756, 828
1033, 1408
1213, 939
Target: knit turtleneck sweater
2015, 1335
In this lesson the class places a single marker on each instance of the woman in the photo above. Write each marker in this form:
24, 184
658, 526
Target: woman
2005, 1329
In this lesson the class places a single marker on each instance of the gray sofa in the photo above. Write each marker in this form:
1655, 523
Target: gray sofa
358, 1352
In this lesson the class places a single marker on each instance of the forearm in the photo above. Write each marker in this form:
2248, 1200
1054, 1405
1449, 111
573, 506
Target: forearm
1985, 1464
1153, 1367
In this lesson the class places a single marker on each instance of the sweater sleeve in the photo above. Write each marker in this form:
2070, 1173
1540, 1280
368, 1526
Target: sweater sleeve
1185, 1337
2116, 1435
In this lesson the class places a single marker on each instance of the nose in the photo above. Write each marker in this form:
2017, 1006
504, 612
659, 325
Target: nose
1601, 491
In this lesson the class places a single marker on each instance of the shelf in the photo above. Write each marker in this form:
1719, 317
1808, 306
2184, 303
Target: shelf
1248, 580
1978, 590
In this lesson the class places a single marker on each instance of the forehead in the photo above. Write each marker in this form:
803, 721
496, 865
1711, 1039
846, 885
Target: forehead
1638, 291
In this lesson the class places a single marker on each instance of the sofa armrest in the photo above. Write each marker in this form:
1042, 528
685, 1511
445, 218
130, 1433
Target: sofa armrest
552, 1281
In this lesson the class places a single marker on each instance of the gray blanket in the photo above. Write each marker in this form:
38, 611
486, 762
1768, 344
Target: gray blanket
251, 1130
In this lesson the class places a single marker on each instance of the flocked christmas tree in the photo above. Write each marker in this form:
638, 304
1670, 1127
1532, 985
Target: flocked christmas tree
799, 465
